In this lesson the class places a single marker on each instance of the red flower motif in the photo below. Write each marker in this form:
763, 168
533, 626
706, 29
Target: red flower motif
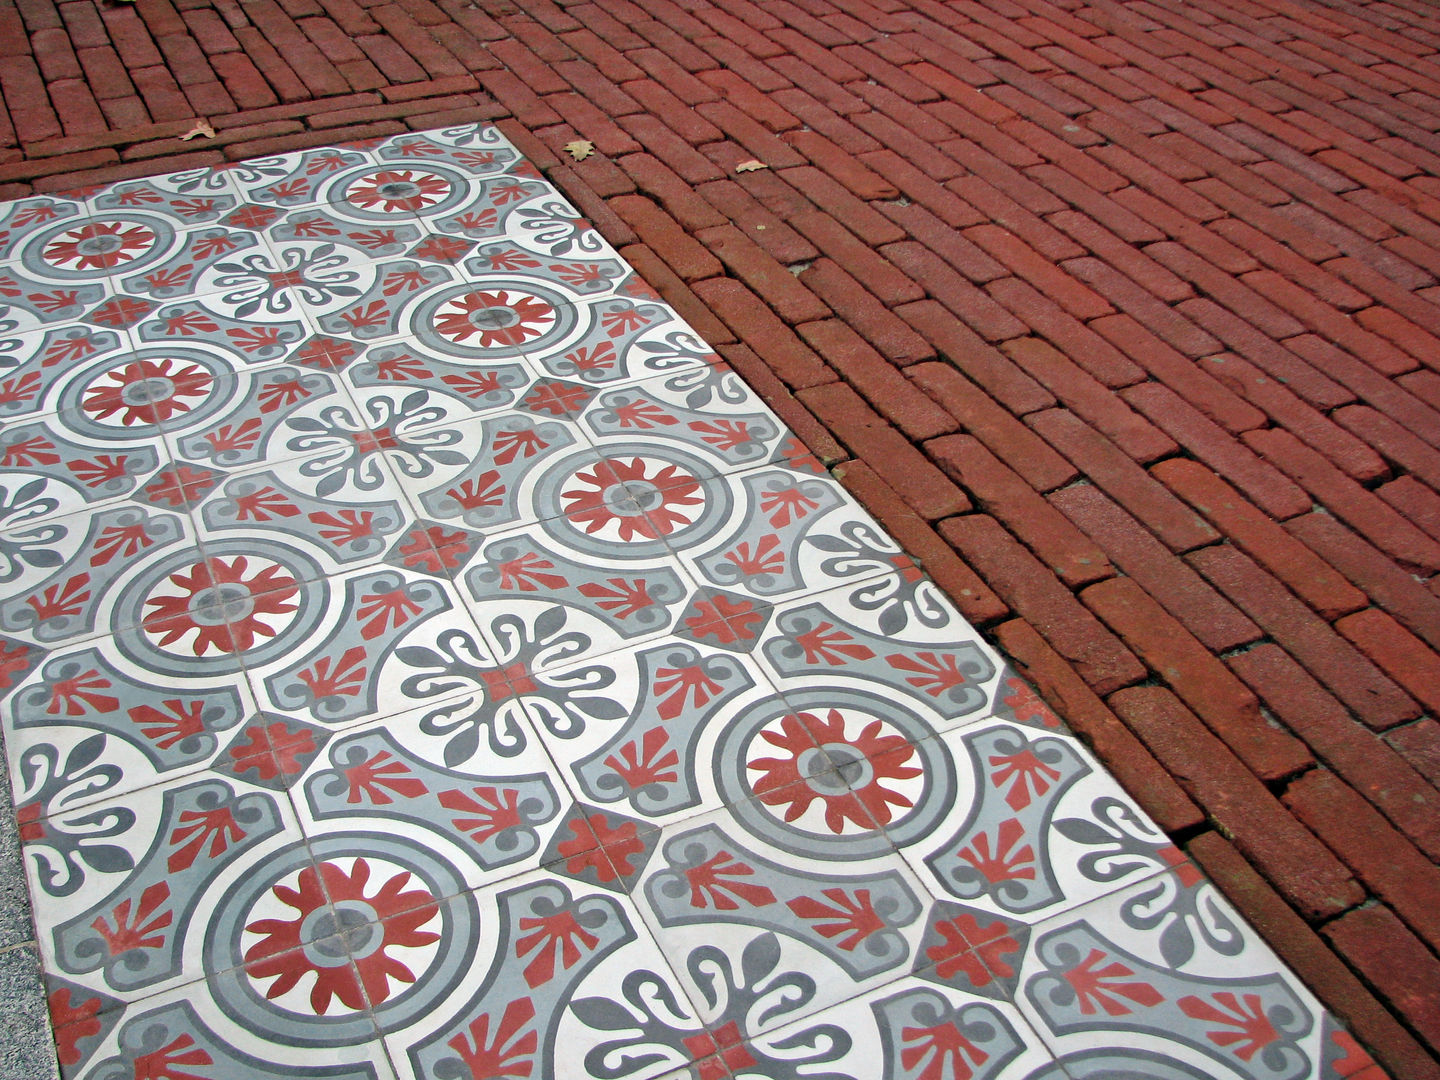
398, 191
391, 918
147, 391
636, 497
99, 245
863, 799
498, 318
224, 608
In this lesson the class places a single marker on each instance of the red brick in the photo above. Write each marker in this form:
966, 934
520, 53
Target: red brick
1128, 484
898, 399
1181, 662
1162, 187
1389, 586
130, 37
1391, 325
1191, 233
895, 460
1135, 145
1000, 208
831, 196
660, 232
677, 155
757, 326
29, 169
1260, 481
1276, 360
1413, 499
1327, 656
1331, 323
1396, 962
983, 363
1068, 334
672, 89
822, 90
1010, 440
1393, 441
679, 199
1365, 761
1289, 856
1008, 498
960, 92
54, 55
976, 601
1380, 857
127, 171
1037, 596
774, 283
331, 137
861, 181
1124, 755
757, 141
1405, 658
387, 111
606, 57
1160, 319
1268, 221
1308, 956
1123, 257
760, 224
760, 378
985, 150
1100, 211
924, 199
1011, 251
677, 294
527, 107
1089, 399
850, 300
1168, 580
1314, 580
1346, 499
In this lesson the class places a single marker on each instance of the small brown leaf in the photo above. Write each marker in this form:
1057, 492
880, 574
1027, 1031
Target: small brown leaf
201, 130
751, 166
580, 149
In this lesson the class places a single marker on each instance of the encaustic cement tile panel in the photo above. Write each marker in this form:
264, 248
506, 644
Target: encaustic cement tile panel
423, 658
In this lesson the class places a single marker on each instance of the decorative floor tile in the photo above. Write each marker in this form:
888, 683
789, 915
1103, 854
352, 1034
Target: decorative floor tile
422, 657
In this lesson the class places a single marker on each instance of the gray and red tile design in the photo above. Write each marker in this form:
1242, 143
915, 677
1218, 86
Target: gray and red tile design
423, 658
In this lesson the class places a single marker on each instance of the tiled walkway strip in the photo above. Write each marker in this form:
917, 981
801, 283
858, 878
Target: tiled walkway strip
425, 659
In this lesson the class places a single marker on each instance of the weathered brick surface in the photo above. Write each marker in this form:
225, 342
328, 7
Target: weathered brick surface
1125, 308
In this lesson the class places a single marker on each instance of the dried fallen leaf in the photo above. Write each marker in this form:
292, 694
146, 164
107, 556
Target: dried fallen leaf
751, 166
201, 130
580, 149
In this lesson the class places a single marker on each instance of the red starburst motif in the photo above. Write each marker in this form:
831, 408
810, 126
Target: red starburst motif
224, 604
634, 498
854, 778
396, 191
331, 906
147, 391
99, 245
497, 317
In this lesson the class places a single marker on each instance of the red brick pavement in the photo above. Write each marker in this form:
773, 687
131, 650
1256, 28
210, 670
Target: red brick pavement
1123, 315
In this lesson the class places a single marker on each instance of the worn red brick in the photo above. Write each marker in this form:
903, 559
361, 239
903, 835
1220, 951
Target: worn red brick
1215, 621
1128, 484
745, 259
1088, 398
758, 327
664, 236
1346, 499
1384, 860
869, 437
850, 300
1297, 864
1187, 667
1035, 594
1326, 655
880, 382
980, 361
1007, 497
1393, 959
